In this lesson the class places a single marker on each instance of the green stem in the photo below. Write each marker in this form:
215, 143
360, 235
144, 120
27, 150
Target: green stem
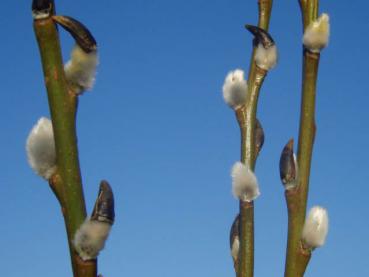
307, 125
265, 10
303, 260
246, 254
62, 104
309, 11
246, 117
297, 258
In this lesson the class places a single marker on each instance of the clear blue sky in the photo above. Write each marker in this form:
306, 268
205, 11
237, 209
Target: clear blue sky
156, 127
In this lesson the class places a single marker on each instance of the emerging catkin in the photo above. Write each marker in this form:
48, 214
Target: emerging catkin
315, 228
90, 238
266, 58
235, 89
80, 70
40, 147
316, 35
245, 186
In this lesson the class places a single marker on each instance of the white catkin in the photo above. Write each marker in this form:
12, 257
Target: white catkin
80, 70
40, 147
235, 89
315, 228
316, 35
266, 58
90, 238
244, 183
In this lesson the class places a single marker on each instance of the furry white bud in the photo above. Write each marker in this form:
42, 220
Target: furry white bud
90, 238
235, 89
266, 58
315, 228
40, 147
80, 70
316, 35
244, 183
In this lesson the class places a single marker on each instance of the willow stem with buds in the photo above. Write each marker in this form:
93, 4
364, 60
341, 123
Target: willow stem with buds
297, 257
66, 183
246, 117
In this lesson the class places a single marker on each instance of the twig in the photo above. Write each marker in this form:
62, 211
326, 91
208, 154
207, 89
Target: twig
246, 117
63, 102
297, 258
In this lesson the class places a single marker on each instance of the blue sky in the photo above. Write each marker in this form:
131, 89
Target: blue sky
156, 127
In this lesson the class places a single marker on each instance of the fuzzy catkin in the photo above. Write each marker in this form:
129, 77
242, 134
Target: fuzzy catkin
40, 147
315, 228
235, 89
244, 183
316, 35
90, 238
266, 58
80, 70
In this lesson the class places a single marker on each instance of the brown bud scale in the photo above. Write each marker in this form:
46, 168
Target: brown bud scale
259, 136
287, 164
80, 33
261, 36
104, 206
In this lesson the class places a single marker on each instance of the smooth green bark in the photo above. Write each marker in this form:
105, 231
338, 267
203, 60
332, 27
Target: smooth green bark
66, 184
247, 118
297, 258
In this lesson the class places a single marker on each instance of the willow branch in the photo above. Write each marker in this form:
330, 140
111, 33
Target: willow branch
297, 258
247, 117
62, 103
